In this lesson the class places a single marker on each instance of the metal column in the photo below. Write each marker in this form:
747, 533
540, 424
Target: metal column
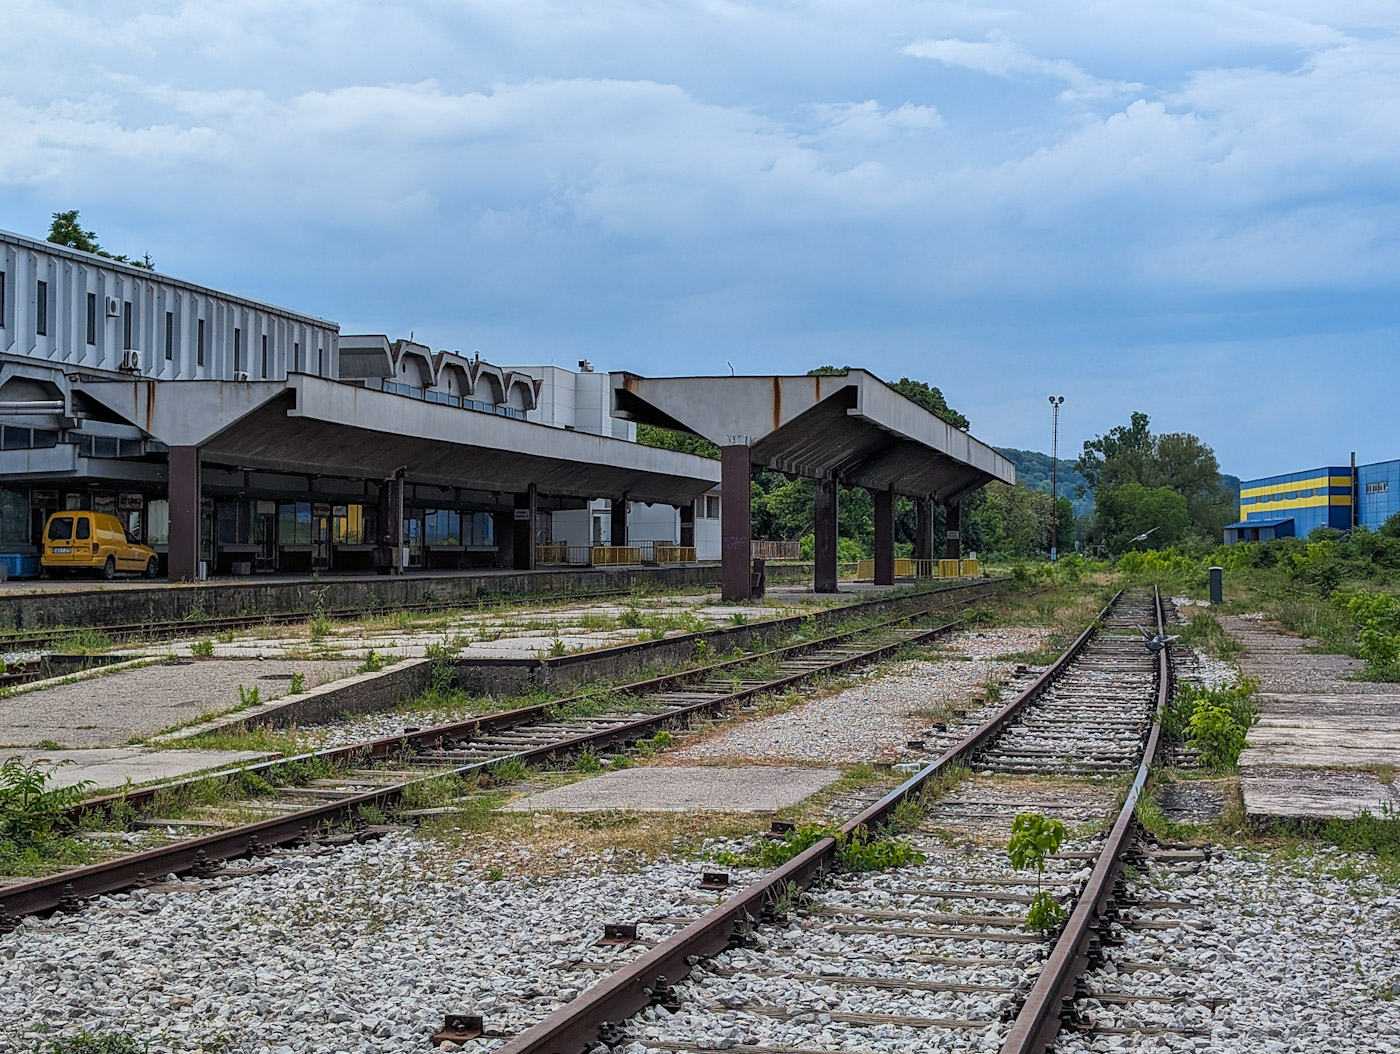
618, 527
688, 523
183, 551
523, 537
736, 528
391, 523
923, 529
884, 537
953, 548
824, 537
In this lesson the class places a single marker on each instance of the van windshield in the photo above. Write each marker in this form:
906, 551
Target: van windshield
61, 528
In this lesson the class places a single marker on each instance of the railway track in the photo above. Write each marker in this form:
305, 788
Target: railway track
935, 954
372, 778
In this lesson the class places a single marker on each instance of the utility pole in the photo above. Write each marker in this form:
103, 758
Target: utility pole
1055, 402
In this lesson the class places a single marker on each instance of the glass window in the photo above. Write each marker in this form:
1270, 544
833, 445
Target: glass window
349, 525
14, 517
234, 522
294, 523
61, 528
158, 522
442, 527
199, 348
712, 506
126, 325
296, 355
2, 298
41, 309
170, 334
237, 349
84, 528
264, 357
92, 318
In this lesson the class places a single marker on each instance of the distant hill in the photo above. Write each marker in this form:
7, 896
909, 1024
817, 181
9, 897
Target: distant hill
1033, 473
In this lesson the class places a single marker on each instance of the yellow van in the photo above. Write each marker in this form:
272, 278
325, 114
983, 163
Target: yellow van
77, 540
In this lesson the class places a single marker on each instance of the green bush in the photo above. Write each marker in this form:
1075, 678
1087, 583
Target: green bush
1034, 838
1378, 616
1214, 721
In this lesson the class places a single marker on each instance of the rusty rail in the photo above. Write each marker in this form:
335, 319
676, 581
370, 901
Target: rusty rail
67, 889
573, 1027
1038, 1023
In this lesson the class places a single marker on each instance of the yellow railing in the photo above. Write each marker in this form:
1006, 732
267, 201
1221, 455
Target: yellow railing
905, 567
562, 553
612, 555
675, 554
865, 570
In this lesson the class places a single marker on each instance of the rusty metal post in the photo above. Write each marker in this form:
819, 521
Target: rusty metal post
617, 533
182, 559
824, 537
952, 549
523, 536
736, 481
923, 529
884, 537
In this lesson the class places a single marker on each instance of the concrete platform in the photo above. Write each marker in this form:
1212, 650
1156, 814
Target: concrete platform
702, 788
111, 768
1321, 731
1314, 794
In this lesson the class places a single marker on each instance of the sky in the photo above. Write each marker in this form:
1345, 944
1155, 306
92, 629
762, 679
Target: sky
1190, 209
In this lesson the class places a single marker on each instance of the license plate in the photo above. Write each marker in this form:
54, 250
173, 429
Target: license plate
62, 549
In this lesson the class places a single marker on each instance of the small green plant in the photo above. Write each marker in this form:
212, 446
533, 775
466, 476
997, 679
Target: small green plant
374, 662
1033, 839
631, 618
30, 811
86, 1042
587, 761
860, 852
662, 740
298, 684
50, 744
557, 647
202, 649
495, 874
703, 652
739, 618
1214, 721
248, 697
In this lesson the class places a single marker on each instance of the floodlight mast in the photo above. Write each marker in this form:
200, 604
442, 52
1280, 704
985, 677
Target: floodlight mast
1055, 403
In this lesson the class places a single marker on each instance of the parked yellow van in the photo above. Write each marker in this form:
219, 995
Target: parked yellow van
77, 540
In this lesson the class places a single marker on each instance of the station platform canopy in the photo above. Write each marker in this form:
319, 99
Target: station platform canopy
851, 426
848, 429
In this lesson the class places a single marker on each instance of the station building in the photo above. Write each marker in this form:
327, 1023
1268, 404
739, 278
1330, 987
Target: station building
1336, 496
235, 436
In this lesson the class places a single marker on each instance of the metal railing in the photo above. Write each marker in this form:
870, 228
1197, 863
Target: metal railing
905, 567
675, 554
776, 550
563, 553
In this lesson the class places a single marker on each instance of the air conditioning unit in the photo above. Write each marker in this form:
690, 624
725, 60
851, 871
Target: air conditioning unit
131, 360
114, 307
240, 376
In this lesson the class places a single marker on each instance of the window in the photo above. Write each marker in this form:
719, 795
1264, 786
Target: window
126, 325
712, 506
2, 298
296, 356
1379, 487
61, 529
200, 346
1292, 494
84, 528
264, 358
14, 517
1305, 494
237, 349
170, 334
442, 527
41, 309
158, 522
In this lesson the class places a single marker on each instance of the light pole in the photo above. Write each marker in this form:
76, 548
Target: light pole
1055, 402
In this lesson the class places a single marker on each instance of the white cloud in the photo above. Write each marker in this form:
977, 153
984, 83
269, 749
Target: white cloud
998, 56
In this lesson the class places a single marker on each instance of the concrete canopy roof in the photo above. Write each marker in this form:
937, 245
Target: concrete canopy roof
851, 425
310, 425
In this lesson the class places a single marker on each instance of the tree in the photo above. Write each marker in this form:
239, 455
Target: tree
666, 439
1176, 460
931, 399
1127, 511
67, 230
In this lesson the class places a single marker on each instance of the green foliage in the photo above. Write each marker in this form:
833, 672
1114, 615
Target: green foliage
373, 662
1378, 616
1034, 838
297, 684
1033, 473
666, 439
1215, 721
860, 852
86, 1042
1204, 632
30, 811
495, 874
1129, 510
248, 697
931, 399
1015, 522
770, 853
66, 230
202, 649
587, 761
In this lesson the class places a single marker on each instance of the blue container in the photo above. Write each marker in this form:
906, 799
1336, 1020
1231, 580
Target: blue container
21, 565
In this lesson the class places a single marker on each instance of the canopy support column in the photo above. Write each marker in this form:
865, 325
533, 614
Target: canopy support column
825, 537
183, 552
736, 481
884, 537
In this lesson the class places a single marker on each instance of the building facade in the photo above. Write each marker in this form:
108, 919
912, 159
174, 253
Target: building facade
235, 436
1336, 496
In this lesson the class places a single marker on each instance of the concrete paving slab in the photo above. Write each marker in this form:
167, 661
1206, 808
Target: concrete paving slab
108, 710
109, 768
702, 788
1315, 794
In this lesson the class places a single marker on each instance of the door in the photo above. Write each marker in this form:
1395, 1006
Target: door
320, 537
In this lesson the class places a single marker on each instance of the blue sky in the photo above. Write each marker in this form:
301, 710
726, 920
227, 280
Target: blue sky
1188, 209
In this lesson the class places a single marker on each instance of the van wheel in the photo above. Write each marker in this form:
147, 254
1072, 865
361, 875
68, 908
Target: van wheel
109, 569
152, 568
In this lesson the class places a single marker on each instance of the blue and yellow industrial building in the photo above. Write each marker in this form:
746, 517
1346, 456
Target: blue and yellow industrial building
1295, 503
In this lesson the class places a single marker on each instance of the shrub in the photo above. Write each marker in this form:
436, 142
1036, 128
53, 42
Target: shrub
1214, 721
30, 811
1033, 839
